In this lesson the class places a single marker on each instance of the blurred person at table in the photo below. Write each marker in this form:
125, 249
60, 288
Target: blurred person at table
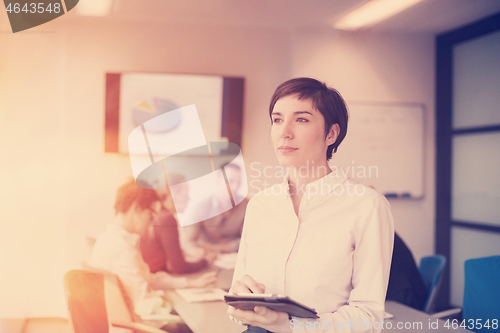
220, 233
318, 237
160, 245
117, 249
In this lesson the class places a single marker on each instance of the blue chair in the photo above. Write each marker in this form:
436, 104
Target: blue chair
482, 292
431, 269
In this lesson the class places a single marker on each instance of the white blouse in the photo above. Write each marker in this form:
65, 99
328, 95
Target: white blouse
117, 251
334, 257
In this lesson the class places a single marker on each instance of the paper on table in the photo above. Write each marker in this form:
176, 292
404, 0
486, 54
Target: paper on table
154, 311
201, 294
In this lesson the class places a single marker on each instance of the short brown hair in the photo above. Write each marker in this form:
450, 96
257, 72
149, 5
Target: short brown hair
131, 192
327, 101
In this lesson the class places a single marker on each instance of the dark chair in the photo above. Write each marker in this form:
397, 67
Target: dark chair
88, 298
431, 269
405, 282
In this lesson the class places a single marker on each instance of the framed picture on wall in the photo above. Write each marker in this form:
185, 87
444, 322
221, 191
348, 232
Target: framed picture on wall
134, 98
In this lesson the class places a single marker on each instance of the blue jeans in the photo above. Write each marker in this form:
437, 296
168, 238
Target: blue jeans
254, 329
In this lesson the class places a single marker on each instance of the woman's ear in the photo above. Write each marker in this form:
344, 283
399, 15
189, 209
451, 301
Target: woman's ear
333, 134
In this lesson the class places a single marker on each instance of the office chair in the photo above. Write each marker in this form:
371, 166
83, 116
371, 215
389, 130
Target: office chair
88, 294
431, 269
482, 292
481, 295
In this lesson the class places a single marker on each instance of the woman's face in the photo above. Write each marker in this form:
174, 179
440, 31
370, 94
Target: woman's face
298, 133
181, 193
142, 219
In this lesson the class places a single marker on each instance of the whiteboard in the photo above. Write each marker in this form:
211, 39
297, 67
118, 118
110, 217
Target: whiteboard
384, 148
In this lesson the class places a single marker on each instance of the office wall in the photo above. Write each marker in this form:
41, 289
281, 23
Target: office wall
371, 67
58, 185
32, 84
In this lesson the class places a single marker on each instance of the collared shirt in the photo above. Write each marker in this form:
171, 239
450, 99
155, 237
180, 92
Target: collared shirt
116, 251
335, 256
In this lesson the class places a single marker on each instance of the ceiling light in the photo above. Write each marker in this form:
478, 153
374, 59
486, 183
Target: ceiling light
371, 13
94, 7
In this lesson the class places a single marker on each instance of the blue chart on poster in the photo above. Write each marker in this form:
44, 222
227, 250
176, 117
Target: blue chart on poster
145, 111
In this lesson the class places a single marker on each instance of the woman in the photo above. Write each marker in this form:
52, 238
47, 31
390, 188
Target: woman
319, 238
160, 246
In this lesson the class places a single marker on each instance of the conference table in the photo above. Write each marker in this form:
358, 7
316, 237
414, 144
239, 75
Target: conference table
207, 317
407, 319
211, 317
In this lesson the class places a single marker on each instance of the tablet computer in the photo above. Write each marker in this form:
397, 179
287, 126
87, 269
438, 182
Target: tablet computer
272, 301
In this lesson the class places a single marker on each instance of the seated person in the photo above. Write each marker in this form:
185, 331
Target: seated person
222, 232
116, 250
405, 282
160, 245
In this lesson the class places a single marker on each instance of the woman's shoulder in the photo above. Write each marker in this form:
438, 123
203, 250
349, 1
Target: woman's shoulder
267, 200
269, 194
363, 193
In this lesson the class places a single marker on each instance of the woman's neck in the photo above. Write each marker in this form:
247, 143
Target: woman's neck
124, 220
301, 176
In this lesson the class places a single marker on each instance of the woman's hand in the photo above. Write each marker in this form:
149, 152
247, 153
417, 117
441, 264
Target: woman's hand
261, 316
210, 257
219, 248
202, 281
247, 285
